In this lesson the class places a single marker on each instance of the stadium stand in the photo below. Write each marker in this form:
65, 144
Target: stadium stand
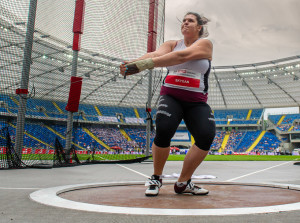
234, 138
296, 128
111, 136
289, 118
247, 140
274, 118
216, 145
268, 143
286, 123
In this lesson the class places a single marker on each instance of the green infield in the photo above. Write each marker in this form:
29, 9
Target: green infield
81, 157
239, 158
109, 157
171, 157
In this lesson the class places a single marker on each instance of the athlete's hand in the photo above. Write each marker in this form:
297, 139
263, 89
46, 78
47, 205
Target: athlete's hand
123, 67
138, 66
131, 68
128, 69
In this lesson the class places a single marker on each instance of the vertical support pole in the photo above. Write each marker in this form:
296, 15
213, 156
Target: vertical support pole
77, 30
263, 120
148, 127
25, 77
151, 46
70, 114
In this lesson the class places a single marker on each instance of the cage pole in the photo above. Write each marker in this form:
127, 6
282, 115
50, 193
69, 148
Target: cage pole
23, 90
263, 120
151, 46
77, 30
70, 114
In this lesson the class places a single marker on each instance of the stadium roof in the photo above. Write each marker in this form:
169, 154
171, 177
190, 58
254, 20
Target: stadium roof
260, 85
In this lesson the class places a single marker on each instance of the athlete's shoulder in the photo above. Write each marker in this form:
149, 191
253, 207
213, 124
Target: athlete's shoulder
172, 43
205, 41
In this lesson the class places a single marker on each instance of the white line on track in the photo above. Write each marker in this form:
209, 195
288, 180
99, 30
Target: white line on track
19, 188
258, 171
133, 171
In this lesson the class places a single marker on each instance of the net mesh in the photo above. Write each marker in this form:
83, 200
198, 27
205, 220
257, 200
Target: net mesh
110, 123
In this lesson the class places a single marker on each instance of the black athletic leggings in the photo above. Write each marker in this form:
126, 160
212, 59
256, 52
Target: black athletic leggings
197, 116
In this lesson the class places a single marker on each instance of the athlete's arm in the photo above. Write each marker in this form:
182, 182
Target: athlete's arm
202, 49
165, 48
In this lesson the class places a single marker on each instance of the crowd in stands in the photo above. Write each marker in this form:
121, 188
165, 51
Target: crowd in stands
283, 127
287, 122
290, 118
269, 142
87, 112
114, 138
296, 128
42, 136
216, 145
247, 140
288, 127
139, 136
234, 138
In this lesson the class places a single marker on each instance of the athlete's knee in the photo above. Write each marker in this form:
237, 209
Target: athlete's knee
165, 130
203, 146
204, 142
161, 141
163, 138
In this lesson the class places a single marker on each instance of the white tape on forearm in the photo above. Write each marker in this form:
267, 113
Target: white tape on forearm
144, 64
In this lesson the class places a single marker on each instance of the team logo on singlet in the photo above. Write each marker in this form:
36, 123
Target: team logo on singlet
182, 71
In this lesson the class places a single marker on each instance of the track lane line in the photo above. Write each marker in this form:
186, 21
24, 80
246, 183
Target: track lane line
259, 171
133, 171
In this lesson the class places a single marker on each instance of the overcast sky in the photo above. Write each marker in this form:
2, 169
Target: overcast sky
243, 31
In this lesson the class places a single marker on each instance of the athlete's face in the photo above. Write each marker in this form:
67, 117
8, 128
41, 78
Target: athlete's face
190, 25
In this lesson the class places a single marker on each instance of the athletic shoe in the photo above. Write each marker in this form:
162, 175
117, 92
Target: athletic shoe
190, 188
153, 184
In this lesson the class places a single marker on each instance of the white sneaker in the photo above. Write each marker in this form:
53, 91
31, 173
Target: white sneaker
190, 188
153, 184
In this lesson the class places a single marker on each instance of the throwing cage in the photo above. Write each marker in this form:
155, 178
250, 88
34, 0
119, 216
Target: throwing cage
62, 100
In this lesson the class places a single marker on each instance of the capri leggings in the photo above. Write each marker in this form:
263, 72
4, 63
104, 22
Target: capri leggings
197, 116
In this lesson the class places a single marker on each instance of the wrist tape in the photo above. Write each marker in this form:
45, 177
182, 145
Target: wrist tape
143, 64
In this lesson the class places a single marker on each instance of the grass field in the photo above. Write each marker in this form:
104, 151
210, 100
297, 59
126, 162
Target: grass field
239, 158
171, 157
80, 157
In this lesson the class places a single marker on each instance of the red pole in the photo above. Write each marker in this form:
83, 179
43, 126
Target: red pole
151, 46
78, 23
76, 82
77, 30
152, 25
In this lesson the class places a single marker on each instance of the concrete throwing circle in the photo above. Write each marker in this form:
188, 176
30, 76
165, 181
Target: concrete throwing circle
225, 198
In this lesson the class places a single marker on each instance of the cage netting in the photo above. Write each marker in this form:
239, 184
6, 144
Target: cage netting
110, 124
